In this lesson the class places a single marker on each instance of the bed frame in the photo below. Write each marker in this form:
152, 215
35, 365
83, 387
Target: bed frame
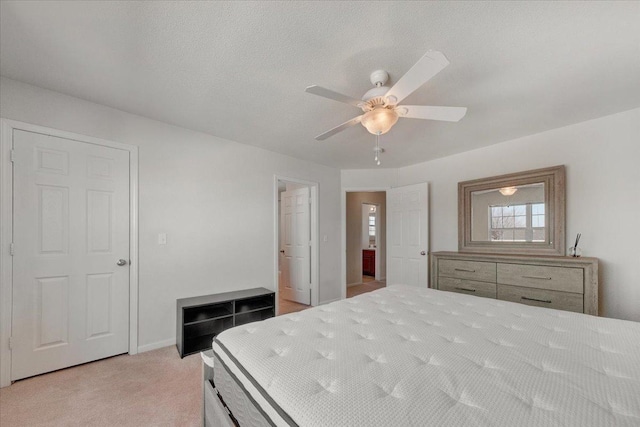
214, 413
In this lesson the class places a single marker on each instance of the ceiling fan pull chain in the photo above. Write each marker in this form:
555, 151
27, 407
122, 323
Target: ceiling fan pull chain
377, 150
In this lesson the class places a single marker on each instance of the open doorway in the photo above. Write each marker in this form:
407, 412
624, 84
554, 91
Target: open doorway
296, 242
365, 241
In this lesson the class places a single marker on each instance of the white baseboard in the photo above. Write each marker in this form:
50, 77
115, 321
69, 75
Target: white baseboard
156, 345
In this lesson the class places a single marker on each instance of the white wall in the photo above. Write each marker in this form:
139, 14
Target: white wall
213, 198
602, 159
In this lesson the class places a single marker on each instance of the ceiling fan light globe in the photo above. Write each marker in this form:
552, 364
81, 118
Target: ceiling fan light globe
380, 120
508, 191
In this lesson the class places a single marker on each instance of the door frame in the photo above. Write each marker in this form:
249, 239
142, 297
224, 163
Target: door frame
343, 230
377, 216
315, 232
7, 127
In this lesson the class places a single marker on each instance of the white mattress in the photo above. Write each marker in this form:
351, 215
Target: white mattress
403, 356
244, 410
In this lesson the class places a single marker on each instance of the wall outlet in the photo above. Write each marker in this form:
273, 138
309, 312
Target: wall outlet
162, 238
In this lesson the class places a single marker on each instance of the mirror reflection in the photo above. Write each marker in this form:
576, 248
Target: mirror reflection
509, 214
369, 232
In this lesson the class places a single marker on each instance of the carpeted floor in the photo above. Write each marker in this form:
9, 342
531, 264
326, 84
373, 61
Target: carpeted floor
369, 286
155, 388
287, 307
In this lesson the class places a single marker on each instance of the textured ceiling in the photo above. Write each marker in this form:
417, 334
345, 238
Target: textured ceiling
238, 70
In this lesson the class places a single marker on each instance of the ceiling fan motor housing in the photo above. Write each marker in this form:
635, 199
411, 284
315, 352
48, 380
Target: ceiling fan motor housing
376, 92
379, 77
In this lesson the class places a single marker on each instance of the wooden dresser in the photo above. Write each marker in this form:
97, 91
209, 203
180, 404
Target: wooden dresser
562, 283
368, 262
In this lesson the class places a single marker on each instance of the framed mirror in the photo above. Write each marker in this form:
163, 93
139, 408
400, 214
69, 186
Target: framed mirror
519, 213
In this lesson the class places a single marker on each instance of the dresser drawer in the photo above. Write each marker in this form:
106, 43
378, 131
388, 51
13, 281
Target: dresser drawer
469, 287
471, 270
542, 298
542, 277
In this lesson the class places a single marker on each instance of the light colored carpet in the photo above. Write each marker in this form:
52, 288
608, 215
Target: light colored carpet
287, 306
155, 388
370, 284
352, 291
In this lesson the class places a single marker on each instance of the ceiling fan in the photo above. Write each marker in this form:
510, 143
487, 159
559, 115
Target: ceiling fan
380, 104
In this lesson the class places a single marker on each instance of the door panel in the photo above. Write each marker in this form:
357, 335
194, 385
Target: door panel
71, 225
407, 235
99, 297
52, 311
99, 221
296, 259
53, 219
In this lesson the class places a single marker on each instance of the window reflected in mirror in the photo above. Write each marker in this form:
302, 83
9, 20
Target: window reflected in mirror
369, 226
518, 213
509, 214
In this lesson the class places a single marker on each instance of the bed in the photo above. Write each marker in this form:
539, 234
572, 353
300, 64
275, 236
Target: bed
402, 356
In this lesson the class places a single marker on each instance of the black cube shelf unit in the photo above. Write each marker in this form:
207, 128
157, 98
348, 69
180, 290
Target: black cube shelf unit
200, 319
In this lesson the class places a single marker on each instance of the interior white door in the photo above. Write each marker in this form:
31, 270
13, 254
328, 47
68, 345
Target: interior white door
296, 244
284, 281
71, 253
408, 235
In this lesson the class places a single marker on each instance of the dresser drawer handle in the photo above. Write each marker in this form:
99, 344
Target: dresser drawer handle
546, 301
536, 277
464, 269
466, 289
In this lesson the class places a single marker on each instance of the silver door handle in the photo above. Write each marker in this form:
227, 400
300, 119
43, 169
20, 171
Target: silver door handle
121, 262
423, 253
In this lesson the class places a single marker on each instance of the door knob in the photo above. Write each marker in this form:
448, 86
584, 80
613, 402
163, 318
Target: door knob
282, 251
121, 262
423, 253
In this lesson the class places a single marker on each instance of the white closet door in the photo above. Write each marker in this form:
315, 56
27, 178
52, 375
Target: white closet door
71, 228
408, 235
296, 250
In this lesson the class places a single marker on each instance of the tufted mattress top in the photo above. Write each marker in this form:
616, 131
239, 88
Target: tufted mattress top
402, 356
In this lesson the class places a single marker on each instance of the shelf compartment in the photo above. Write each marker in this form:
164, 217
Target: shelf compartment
197, 344
252, 304
205, 312
209, 327
254, 316
199, 319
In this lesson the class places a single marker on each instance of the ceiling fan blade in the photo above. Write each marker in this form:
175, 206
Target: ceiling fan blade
326, 93
340, 128
447, 114
428, 66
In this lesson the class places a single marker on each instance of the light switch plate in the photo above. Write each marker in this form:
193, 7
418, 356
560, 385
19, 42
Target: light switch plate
162, 238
